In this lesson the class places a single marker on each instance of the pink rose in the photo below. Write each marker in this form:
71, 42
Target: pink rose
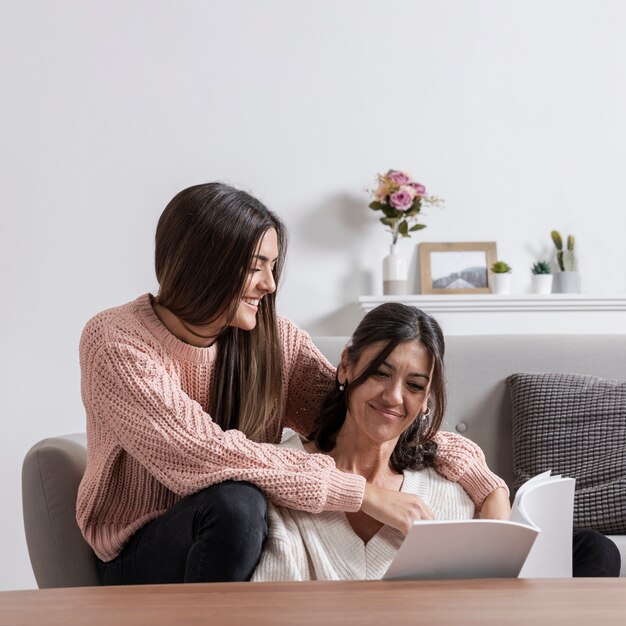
420, 190
401, 200
399, 178
409, 189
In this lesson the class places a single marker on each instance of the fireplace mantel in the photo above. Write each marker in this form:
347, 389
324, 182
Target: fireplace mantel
513, 314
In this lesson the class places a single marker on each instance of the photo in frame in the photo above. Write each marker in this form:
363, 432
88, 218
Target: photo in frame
455, 268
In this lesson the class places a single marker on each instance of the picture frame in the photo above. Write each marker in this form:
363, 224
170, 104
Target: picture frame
456, 268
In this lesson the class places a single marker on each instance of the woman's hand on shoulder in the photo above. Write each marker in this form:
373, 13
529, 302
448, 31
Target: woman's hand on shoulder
394, 508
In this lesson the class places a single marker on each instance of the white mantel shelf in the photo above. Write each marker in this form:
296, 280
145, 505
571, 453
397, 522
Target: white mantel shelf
488, 303
553, 313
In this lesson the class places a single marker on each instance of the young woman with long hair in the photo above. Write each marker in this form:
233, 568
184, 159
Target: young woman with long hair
183, 392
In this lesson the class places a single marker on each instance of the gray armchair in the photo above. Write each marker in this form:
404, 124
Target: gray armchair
51, 473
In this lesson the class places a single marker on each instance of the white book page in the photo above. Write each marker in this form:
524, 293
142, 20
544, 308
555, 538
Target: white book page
547, 502
462, 549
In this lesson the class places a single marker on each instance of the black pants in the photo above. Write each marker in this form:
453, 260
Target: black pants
214, 535
594, 555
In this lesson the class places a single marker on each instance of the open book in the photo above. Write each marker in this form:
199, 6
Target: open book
535, 543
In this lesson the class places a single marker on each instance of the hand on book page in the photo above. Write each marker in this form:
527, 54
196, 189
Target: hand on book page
547, 502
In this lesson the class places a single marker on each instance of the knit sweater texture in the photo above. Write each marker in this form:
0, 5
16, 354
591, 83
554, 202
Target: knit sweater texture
303, 546
150, 440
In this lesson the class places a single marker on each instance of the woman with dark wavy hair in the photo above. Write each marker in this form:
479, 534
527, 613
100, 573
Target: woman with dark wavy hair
185, 392
387, 327
379, 422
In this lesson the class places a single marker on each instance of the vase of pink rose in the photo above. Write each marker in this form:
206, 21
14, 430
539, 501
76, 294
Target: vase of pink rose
401, 200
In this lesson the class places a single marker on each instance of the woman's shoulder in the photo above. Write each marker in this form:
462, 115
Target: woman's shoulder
426, 480
453, 447
287, 328
292, 337
416, 481
118, 317
446, 498
117, 324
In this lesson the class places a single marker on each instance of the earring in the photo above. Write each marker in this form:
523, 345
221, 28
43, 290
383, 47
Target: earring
425, 415
342, 387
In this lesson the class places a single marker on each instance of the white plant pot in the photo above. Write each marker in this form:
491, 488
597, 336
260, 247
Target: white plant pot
501, 283
567, 282
541, 283
394, 274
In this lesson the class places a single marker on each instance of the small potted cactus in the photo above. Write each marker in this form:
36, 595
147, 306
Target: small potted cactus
568, 278
501, 278
541, 277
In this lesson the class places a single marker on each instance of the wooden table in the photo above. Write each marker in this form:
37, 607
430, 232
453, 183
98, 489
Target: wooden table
448, 602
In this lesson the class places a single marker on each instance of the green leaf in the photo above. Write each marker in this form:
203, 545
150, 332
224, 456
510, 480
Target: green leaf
376, 206
389, 211
417, 227
404, 228
388, 221
416, 207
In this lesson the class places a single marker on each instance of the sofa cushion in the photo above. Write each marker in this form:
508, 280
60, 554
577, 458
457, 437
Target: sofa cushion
576, 426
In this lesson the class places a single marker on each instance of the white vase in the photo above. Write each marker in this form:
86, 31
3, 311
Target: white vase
567, 282
501, 283
541, 283
394, 274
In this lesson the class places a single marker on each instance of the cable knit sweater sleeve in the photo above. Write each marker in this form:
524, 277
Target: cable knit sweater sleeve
308, 376
169, 434
461, 460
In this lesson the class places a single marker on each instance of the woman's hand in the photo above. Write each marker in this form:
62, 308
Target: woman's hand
496, 505
394, 508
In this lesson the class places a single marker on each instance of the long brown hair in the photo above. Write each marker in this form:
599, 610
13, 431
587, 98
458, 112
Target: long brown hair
391, 324
205, 241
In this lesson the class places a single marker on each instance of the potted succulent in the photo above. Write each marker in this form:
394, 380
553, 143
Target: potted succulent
568, 278
541, 277
501, 277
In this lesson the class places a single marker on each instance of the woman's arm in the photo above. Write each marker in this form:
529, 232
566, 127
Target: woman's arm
461, 460
496, 505
134, 398
308, 377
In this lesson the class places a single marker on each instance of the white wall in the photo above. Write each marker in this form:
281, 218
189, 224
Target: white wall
512, 111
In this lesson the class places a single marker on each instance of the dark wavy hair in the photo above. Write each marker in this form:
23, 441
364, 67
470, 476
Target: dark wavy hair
391, 324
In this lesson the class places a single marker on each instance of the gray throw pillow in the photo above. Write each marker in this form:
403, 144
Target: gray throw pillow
576, 426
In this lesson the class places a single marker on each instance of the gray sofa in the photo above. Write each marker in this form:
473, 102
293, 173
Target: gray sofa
479, 408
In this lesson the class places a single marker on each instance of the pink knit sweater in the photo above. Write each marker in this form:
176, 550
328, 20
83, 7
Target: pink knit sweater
151, 441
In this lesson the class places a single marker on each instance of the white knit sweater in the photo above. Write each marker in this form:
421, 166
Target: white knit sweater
306, 546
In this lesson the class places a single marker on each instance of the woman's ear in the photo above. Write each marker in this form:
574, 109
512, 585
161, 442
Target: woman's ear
342, 368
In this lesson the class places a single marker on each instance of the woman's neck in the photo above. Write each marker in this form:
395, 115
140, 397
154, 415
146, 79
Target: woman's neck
355, 454
198, 336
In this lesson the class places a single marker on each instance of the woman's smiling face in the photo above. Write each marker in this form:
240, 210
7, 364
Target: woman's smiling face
390, 400
260, 281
